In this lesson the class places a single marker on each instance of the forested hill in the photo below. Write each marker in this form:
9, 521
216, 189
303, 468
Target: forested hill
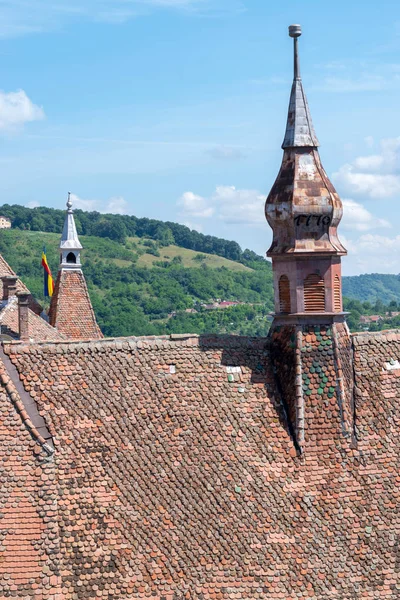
372, 287
119, 227
147, 277
151, 277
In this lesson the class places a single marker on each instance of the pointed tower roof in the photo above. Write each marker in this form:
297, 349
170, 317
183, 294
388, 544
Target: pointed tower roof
71, 311
299, 127
69, 236
303, 207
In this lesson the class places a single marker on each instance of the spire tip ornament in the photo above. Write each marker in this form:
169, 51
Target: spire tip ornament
69, 202
295, 31
299, 128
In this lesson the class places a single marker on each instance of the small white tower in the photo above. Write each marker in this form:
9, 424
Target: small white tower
71, 311
70, 246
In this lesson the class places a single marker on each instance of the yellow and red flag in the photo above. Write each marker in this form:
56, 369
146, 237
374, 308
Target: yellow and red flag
47, 277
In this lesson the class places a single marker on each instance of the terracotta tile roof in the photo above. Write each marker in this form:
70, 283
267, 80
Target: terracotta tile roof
6, 270
176, 477
39, 329
71, 310
29, 534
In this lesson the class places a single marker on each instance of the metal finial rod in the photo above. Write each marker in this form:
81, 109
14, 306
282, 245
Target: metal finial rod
295, 33
69, 203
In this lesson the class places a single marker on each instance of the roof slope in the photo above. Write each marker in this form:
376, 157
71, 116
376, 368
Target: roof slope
6, 270
71, 311
39, 329
177, 476
299, 127
28, 525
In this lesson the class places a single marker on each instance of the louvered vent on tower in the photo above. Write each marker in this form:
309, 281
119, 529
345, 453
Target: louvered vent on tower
337, 296
284, 294
314, 293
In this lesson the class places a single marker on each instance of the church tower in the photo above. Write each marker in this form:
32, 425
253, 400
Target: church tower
304, 211
310, 345
71, 311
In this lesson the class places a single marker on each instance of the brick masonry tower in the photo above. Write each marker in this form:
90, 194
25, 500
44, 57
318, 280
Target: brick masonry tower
310, 342
71, 310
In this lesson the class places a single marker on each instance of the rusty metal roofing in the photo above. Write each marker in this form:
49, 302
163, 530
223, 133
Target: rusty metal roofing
299, 127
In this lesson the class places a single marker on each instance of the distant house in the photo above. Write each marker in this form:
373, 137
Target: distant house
227, 304
221, 304
210, 306
5, 222
371, 318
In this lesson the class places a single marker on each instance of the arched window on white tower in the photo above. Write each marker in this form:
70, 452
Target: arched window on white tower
71, 258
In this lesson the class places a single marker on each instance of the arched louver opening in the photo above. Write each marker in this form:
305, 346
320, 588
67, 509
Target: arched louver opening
71, 258
337, 294
284, 295
314, 293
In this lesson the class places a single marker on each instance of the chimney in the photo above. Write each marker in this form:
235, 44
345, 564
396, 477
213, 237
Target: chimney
9, 287
23, 316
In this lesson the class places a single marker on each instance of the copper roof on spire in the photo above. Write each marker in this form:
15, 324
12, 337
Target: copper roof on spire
299, 129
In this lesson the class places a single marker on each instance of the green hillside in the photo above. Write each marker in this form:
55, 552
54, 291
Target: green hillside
140, 287
152, 277
372, 287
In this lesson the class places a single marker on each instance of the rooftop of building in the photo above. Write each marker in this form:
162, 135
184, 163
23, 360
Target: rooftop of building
175, 473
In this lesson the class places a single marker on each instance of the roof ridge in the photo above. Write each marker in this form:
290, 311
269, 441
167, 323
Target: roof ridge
17, 346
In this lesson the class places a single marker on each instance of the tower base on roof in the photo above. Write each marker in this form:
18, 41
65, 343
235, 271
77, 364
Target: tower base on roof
309, 318
311, 356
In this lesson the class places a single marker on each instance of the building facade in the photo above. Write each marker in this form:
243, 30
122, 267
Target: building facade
5, 222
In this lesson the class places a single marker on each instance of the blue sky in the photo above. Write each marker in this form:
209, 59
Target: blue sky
176, 109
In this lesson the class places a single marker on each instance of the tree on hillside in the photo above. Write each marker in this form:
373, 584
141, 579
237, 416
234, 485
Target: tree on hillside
114, 230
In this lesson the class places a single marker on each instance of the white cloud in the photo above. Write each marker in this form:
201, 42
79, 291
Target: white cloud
225, 152
16, 109
364, 83
18, 17
239, 205
228, 204
369, 163
354, 76
195, 206
373, 185
373, 253
195, 226
373, 176
83, 204
32, 204
357, 218
117, 205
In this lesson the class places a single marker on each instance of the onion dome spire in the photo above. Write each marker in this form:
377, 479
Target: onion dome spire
299, 128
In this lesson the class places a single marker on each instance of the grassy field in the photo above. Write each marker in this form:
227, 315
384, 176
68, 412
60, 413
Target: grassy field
168, 253
30, 244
